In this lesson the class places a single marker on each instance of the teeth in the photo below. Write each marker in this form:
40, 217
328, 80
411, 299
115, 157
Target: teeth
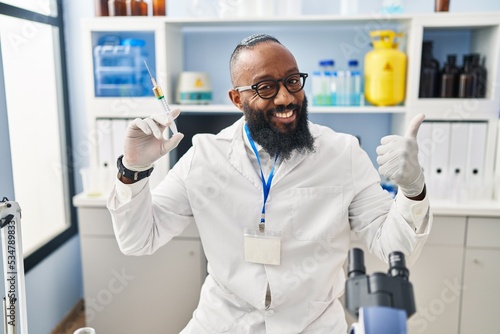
284, 115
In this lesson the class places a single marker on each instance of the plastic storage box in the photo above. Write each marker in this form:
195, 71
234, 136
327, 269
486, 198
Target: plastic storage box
120, 70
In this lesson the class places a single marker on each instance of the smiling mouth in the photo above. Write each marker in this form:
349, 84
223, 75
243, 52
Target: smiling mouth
283, 114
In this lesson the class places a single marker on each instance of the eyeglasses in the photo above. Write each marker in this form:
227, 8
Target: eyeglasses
268, 89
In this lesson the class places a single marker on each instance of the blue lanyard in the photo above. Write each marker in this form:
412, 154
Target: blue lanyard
266, 185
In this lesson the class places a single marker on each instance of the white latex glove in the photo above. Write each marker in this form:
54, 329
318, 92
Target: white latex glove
398, 159
145, 141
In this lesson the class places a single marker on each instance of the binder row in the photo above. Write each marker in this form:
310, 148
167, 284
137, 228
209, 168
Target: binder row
109, 143
110, 139
452, 155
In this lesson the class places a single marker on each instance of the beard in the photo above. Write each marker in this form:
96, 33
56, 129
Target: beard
273, 141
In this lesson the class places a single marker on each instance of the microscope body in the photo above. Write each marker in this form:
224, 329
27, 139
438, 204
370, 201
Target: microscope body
381, 302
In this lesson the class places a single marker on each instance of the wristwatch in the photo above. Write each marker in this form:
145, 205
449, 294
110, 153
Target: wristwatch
131, 174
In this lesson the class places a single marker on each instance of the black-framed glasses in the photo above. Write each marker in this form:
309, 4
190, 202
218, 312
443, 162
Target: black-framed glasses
268, 89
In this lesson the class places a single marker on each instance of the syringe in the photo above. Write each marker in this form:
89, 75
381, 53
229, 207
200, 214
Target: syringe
161, 97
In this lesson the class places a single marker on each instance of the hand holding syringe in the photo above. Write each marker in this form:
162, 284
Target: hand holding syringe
147, 140
161, 97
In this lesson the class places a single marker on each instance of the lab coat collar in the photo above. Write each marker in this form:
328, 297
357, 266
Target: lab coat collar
239, 159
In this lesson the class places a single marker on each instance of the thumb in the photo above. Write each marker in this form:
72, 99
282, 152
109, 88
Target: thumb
412, 130
172, 143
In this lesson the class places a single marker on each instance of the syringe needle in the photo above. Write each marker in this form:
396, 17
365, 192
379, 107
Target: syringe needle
161, 97
150, 75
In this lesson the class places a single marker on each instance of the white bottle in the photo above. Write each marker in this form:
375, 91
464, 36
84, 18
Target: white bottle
322, 83
342, 89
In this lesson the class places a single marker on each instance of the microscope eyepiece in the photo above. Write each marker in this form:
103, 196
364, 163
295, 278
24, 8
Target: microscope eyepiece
397, 265
356, 263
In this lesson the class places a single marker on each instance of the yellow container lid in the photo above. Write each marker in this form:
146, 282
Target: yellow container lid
384, 39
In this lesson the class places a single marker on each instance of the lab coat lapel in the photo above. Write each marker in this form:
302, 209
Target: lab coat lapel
287, 166
238, 158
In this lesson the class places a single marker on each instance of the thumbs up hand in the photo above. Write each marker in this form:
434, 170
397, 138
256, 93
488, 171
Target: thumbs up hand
398, 159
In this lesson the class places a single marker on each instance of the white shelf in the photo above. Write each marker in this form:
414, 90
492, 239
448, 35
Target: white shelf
358, 110
473, 208
145, 106
226, 108
457, 109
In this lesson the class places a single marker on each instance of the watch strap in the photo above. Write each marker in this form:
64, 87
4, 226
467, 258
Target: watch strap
131, 174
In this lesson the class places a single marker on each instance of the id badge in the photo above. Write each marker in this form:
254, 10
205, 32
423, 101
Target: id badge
262, 247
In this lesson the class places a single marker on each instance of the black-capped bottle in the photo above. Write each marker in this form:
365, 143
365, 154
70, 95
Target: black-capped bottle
466, 88
450, 78
429, 72
478, 76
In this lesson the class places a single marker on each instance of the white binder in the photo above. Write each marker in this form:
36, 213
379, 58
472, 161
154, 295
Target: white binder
119, 126
458, 160
104, 143
438, 184
475, 159
424, 140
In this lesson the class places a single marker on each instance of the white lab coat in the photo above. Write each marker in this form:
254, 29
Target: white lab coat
315, 201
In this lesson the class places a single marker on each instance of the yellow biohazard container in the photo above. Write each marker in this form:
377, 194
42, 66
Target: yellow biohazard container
385, 70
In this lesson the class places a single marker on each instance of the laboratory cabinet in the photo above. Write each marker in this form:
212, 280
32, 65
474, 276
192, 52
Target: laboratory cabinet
136, 294
481, 288
455, 279
204, 44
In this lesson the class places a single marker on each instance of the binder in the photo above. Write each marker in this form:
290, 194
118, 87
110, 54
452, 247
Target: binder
458, 160
476, 152
118, 126
424, 141
104, 143
440, 158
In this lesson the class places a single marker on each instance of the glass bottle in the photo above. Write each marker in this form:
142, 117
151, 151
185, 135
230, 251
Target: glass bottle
478, 76
354, 83
449, 78
101, 7
137, 8
322, 83
159, 8
466, 88
429, 72
117, 8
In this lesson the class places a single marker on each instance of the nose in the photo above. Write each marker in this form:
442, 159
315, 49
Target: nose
284, 97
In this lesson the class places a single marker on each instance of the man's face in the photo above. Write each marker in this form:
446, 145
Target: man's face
270, 61
278, 124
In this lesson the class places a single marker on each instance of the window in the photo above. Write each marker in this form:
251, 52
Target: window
35, 107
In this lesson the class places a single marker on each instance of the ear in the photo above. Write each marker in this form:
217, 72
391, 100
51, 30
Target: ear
235, 97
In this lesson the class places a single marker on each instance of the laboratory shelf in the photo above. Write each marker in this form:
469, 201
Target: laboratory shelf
144, 107
489, 208
227, 108
357, 110
179, 42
